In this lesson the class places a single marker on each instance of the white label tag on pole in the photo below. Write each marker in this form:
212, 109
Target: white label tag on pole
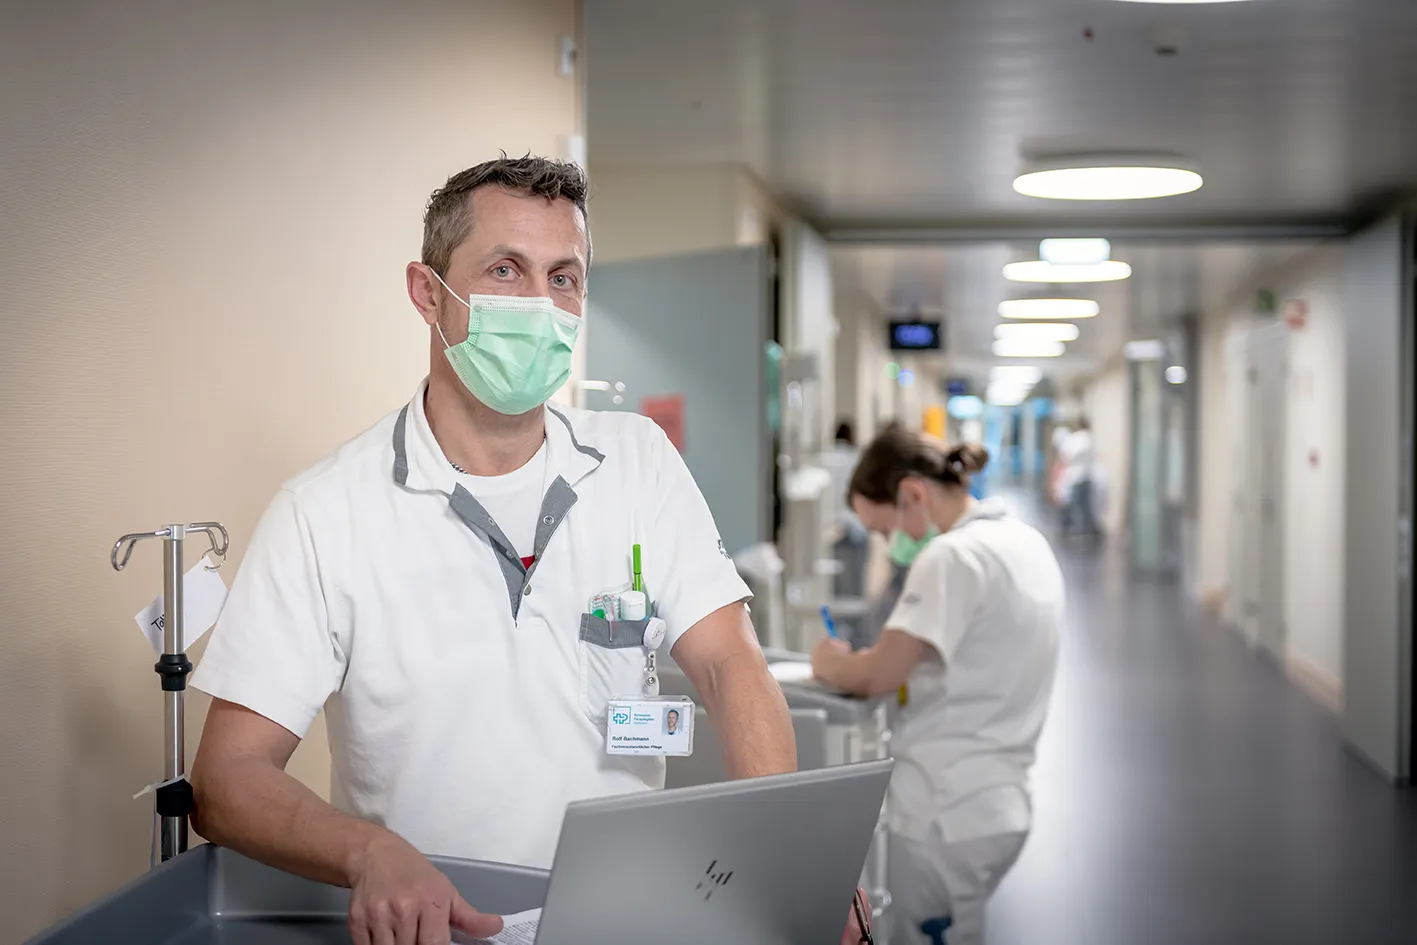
204, 595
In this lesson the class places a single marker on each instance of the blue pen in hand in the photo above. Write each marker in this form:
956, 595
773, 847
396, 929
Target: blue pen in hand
829, 623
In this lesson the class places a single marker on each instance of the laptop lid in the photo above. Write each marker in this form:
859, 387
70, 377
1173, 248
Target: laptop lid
771, 861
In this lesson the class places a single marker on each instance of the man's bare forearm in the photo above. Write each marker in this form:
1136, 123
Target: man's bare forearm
750, 713
250, 806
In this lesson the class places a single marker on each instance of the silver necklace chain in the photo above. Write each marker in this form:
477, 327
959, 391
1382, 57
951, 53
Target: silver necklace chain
466, 473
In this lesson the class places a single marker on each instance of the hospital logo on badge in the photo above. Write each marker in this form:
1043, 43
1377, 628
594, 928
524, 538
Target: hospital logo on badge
620, 714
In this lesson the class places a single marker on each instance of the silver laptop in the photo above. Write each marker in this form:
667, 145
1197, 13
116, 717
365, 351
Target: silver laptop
766, 861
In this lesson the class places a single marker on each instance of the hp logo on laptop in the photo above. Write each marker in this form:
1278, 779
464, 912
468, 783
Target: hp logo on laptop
713, 881
620, 714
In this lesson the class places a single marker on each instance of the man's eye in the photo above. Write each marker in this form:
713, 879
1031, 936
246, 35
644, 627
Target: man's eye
561, 281
503, 271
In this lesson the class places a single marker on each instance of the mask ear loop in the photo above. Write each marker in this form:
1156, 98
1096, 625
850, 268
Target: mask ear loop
466, 302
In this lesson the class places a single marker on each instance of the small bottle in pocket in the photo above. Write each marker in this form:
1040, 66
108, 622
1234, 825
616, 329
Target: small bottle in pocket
633, 605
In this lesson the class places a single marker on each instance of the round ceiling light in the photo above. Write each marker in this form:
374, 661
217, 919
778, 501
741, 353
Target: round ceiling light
1040, 270
1027, 348
1049, 308
1041, 331
1109, 177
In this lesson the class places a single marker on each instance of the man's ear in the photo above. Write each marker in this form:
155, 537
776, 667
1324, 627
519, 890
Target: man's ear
424, 291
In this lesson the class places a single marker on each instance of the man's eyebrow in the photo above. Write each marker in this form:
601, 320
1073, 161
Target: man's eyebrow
508, 252
570, 262
521, 258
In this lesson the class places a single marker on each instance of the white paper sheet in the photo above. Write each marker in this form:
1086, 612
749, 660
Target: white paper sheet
791, 672
203, 596
519, 929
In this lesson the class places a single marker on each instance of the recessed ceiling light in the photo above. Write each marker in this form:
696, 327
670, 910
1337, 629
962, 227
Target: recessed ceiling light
1075, 252
1042, 331
1040, 270
1048, 308
1176, 374
1028, 349
1108, 177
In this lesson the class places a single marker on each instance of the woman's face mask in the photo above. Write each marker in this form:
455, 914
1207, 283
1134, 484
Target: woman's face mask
910, 523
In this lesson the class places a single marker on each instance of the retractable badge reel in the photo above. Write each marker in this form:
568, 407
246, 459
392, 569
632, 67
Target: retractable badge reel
646, 723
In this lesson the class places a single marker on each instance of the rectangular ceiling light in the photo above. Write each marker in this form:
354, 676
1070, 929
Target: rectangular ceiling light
1147, 350
1036, 331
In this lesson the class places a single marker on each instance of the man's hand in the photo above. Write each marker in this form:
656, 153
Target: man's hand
399, 898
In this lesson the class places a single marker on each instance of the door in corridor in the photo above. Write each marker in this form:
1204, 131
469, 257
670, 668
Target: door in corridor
1267, 414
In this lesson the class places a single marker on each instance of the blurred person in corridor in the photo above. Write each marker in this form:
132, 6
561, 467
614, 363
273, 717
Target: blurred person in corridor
974, 638
850, 541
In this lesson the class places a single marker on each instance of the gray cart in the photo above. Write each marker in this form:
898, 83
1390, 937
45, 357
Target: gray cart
211, 896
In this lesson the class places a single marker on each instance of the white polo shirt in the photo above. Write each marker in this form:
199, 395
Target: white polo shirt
465, 695
988, 597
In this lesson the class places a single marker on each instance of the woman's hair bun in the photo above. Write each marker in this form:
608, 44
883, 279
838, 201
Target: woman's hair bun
968, 458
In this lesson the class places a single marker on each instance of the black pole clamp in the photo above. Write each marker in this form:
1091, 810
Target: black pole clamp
174, 668
175, 799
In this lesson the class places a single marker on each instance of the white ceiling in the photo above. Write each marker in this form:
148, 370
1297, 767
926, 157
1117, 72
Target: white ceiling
913, 116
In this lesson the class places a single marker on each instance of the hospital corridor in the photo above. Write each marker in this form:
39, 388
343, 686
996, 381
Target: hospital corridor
780, 472
1192, 792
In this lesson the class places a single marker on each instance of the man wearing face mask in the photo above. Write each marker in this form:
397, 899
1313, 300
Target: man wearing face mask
974, 638
429, 587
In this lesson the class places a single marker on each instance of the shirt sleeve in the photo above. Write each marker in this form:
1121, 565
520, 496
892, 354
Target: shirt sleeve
272, 650
688, 573
939, 599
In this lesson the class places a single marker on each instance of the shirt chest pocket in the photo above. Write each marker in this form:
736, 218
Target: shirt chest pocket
612, 663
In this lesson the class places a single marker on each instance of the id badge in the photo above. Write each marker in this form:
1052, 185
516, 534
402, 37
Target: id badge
636, 725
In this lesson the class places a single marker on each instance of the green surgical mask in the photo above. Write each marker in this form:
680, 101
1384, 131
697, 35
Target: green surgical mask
904, 549
518, 350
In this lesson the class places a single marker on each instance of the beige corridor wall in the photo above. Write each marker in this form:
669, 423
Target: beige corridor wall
644, 212
1107, 405
206, 212
1314, 461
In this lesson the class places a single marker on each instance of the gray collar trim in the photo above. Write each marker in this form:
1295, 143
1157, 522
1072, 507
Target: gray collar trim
554, 507
590, 451
401, 447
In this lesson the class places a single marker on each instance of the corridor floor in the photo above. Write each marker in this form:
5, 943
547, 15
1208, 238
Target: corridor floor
1187, 794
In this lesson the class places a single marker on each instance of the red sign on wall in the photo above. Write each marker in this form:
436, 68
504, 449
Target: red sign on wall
668, 412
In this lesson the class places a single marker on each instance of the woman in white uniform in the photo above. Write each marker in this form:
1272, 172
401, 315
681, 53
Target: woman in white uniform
974, 639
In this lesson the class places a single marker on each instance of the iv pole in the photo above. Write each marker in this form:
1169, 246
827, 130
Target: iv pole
174, 796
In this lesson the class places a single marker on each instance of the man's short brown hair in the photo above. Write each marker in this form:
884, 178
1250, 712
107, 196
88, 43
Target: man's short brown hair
448, 219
